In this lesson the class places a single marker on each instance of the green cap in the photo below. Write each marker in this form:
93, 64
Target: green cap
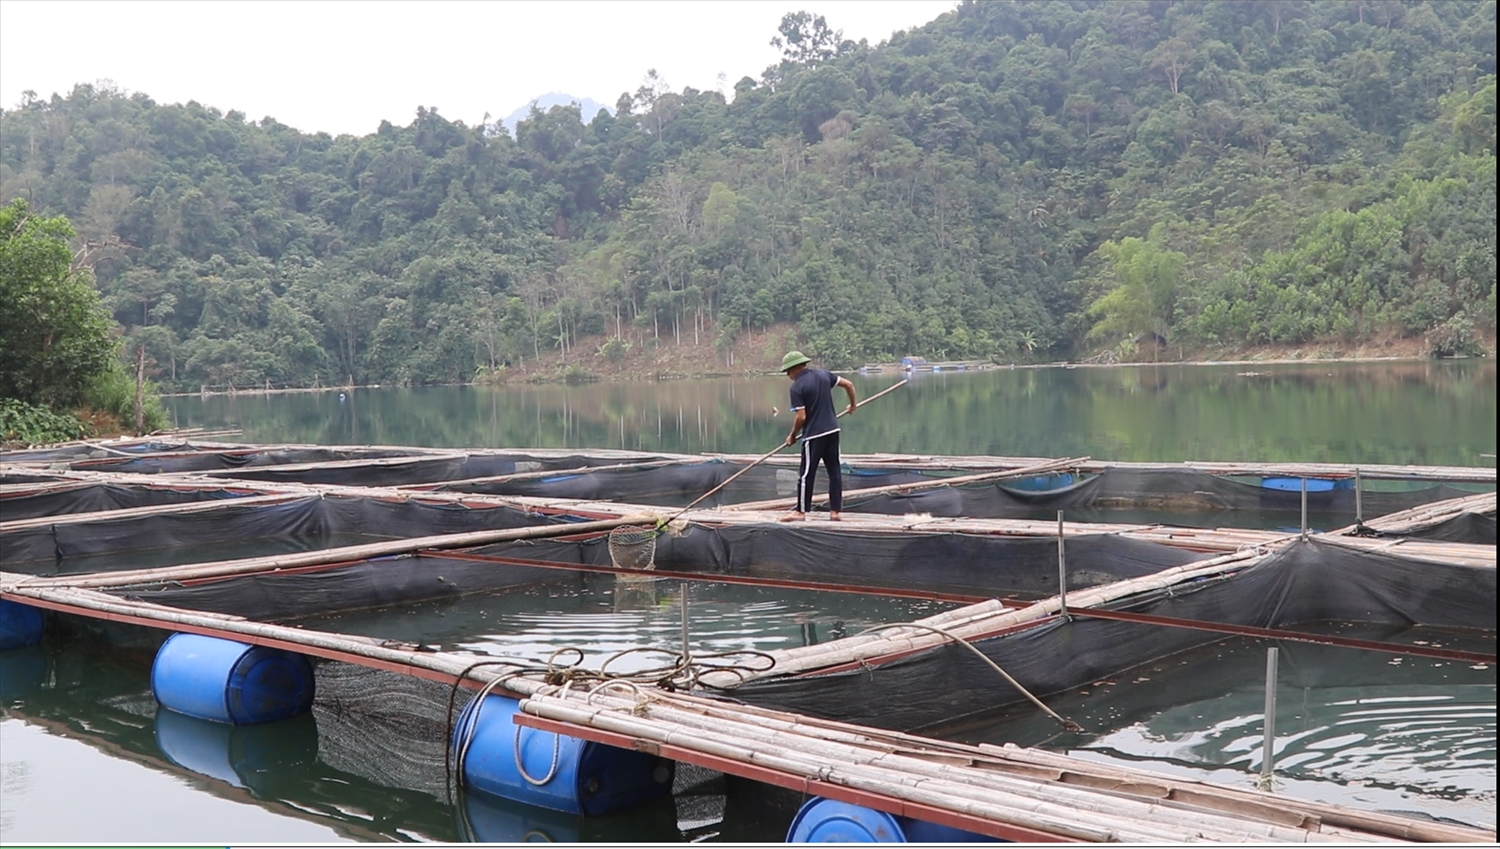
793, 359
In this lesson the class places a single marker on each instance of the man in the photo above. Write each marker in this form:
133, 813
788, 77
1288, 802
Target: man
814, 420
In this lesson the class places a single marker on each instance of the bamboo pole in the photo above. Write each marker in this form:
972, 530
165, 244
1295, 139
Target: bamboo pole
987, 620
1427, 515
911, 778
1068, 770
977, 463
537, 475
1064, 820
1029, 471
342, 554
321, 465
150, 510
16, 587
1293, 813
1390, 825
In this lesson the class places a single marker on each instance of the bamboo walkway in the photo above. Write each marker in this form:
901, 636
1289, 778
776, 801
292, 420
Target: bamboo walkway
1429, 515
1002, 792
911, 462
1195, 539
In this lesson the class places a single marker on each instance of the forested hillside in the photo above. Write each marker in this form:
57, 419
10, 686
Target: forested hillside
1013, 180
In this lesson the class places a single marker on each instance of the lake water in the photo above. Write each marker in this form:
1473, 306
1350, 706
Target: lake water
80, 725
1437, 413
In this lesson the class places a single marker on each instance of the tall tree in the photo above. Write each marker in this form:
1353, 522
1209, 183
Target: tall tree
54, 332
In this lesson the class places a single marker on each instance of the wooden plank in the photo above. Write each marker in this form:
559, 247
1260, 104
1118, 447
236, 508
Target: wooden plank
342, 554
149, 510
1049, 467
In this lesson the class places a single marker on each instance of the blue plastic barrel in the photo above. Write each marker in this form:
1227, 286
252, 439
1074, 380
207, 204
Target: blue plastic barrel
1040, 483
1313, 484
826, 821
20, 625
560, 772
228, 681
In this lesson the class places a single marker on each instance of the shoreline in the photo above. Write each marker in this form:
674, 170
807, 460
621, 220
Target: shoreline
659, 377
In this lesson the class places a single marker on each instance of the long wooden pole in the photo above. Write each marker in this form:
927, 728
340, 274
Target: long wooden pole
343, 554
727, 481
1028, 471
766, 456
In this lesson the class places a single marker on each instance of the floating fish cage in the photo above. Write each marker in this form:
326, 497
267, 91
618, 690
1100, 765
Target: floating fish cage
878, 621
1095, 492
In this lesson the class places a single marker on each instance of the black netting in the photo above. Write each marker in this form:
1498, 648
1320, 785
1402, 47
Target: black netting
1465, 527
202, 459
93, 497
389, 581
12, 475
411, 468
1172, 490
674, 484
311, 519
1309, 582
388, 729
978, 564
982, 566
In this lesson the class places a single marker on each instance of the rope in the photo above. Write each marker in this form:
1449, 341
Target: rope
681, 673
556, 748
1067, 724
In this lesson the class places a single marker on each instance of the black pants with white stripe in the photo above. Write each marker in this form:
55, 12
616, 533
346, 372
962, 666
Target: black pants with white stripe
820, 449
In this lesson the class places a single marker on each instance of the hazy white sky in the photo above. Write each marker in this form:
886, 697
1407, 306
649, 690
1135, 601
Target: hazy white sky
342, 67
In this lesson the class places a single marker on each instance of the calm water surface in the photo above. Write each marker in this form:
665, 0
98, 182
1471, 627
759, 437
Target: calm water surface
1440, 413
80, 725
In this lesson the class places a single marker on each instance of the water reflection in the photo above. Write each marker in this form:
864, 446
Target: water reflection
1439, 413
312, 768
262, 758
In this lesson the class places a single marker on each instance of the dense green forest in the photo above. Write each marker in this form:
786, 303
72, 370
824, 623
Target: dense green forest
1013, 180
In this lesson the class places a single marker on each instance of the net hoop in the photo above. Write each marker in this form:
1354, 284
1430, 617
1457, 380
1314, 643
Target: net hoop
633, 547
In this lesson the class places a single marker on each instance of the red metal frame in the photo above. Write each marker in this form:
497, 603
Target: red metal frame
894, 592
1278, 634
793, 781
881, 660
253, 639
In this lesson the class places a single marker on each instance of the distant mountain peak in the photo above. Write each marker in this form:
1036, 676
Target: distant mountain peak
586, 106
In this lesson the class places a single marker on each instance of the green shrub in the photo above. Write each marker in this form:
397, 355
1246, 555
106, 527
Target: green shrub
613, 349
575, 373
113, 393
1454, 338
29, 424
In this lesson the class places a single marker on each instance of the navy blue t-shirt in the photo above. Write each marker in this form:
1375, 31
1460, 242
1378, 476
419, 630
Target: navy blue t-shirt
813, 391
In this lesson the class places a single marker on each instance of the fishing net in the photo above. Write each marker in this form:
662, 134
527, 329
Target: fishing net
633, 548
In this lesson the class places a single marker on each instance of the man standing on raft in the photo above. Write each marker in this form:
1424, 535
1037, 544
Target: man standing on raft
812, 402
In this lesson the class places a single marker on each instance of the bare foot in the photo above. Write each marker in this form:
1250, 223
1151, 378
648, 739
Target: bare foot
834, 517
791, 517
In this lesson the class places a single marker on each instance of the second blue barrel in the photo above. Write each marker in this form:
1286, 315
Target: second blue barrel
552, 770
229, 681
20, 625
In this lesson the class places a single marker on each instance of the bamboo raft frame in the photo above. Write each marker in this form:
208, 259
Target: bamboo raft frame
1002, 792
1194, 539
1022, 795
910, 462
1429, 515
